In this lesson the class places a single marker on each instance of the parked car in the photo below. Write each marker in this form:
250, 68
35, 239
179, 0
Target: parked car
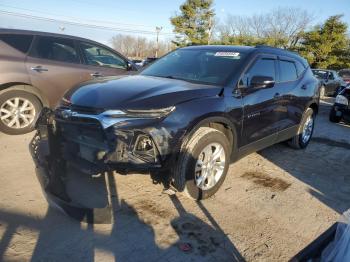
331, 82
345, 74
189, 114
138, 62
37, 68
341, 110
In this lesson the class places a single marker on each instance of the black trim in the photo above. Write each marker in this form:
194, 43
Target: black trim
257, 145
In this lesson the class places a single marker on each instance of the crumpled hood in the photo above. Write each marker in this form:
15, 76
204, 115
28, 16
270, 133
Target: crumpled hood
137, 92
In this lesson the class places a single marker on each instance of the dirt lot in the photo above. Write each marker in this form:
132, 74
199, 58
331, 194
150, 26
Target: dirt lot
272, 204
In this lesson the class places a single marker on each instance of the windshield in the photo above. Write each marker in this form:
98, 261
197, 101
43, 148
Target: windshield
202, 66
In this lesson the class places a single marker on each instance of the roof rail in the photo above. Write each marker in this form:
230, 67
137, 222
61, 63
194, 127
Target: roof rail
272, 47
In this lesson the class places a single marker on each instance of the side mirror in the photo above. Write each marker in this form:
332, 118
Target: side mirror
262, 82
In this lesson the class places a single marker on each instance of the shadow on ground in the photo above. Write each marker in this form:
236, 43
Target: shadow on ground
129, 238
323, 167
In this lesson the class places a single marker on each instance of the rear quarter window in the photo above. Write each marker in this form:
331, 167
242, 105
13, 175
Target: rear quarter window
19, 42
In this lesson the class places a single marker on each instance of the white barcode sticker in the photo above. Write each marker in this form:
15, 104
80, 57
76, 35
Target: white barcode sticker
226, 54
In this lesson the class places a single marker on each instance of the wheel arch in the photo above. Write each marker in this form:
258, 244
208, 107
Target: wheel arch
314, 106
219, 123
27, 88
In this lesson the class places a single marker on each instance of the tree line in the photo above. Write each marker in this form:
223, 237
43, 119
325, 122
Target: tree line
325, 45
139, 47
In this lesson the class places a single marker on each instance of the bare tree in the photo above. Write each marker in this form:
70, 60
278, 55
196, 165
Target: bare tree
139, 47
287, 24
280, 27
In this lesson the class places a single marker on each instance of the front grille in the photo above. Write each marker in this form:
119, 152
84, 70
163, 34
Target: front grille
86, 110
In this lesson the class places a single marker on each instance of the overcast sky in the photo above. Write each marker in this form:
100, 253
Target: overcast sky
138, 15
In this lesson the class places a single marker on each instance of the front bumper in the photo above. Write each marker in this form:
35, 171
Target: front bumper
61, 147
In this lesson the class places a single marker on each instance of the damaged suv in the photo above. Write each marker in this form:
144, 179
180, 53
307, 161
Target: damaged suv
188, 115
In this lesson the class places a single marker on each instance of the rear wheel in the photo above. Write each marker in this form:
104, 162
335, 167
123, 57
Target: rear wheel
333, 116
202, 166
18, 111
302, 139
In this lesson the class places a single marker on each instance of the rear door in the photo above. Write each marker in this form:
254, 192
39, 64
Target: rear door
293, 93
54, 66
100, 61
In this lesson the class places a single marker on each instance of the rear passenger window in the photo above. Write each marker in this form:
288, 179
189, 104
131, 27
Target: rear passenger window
288, 71
262, 67
300, 68
19, 42
58, 49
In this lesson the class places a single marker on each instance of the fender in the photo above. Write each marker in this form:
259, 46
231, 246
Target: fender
27, 88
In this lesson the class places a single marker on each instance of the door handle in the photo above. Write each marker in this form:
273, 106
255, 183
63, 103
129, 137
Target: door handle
39, 69
96, 74
277, 95
304, 87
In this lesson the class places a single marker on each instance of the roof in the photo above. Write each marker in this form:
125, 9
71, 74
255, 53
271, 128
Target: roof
224, 48
30, 32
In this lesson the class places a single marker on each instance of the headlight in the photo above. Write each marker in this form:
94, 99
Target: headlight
150, 113
341, 100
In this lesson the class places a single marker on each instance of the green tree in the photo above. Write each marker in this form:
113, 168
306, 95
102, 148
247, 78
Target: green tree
193, 26
327, 45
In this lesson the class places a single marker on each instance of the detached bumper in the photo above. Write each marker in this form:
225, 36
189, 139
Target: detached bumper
51, 174
65, 146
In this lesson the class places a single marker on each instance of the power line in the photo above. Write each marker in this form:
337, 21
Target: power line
70, 17
110, 28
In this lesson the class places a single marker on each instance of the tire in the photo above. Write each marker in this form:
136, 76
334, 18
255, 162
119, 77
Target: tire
333, 117
299, 141
186, 174
11, 104
322, 91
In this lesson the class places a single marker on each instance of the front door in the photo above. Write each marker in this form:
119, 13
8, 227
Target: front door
260, 109
54, 66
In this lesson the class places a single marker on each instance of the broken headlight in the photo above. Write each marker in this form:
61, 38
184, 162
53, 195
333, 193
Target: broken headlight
145, 149
149, 113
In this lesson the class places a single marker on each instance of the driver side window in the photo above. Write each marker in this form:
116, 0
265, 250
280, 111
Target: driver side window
261, 67
99, 56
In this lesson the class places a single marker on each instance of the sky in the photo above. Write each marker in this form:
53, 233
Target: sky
138, 17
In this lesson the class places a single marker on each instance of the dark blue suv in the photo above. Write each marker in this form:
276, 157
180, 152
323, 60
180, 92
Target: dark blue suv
186, 116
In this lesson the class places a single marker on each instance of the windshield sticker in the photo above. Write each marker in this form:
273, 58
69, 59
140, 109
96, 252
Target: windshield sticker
234, 54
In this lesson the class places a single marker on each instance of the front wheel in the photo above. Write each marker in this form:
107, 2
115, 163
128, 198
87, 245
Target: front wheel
202, 166
306, 129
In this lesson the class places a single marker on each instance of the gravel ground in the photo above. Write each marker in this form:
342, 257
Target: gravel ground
272, 204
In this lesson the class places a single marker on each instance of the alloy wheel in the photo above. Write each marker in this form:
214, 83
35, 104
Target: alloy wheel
307, 129
210, 166
17, 113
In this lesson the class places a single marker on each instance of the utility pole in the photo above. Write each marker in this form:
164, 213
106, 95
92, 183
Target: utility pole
210, 29
158, 29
